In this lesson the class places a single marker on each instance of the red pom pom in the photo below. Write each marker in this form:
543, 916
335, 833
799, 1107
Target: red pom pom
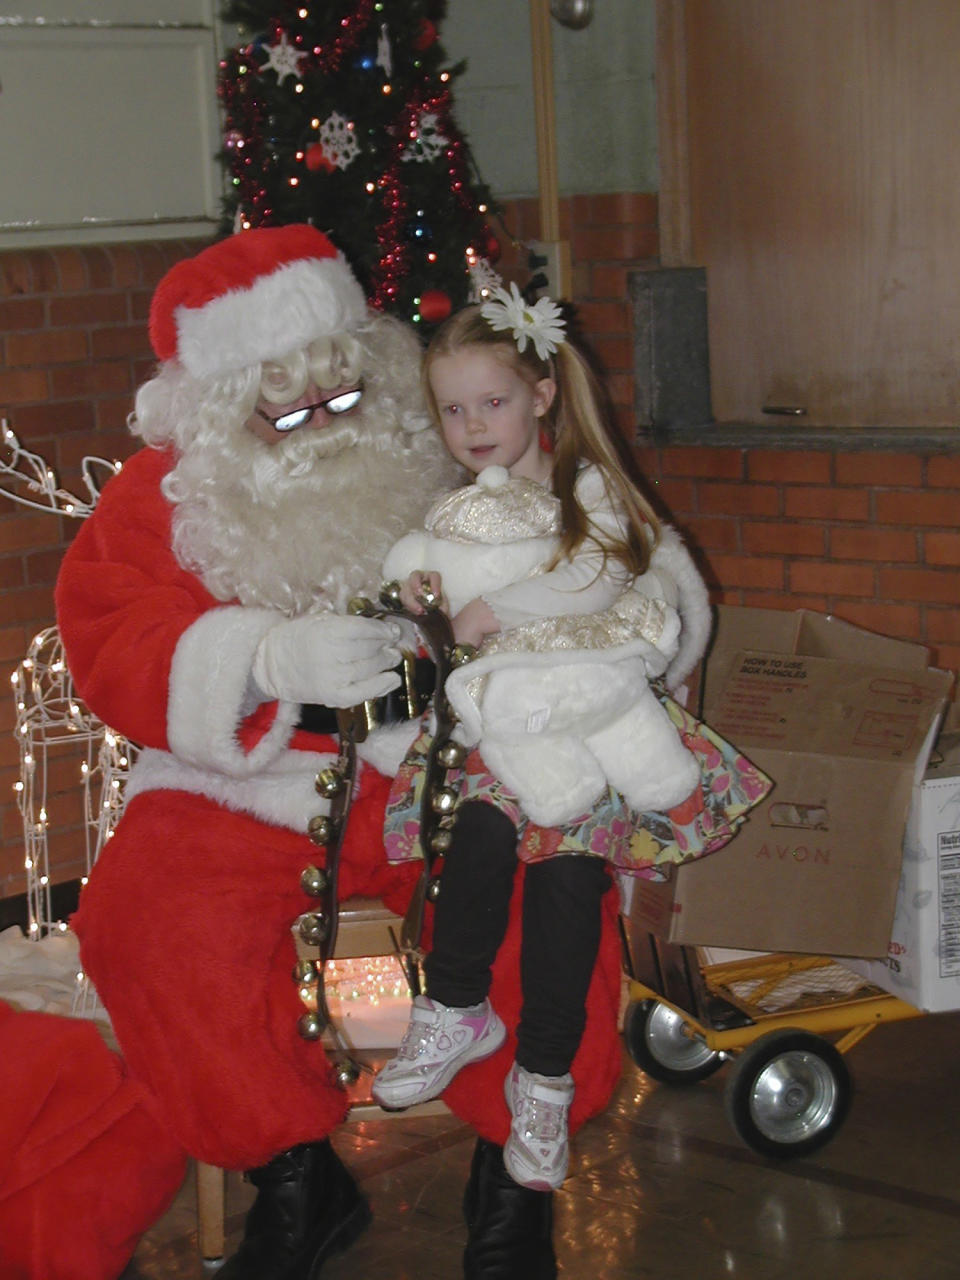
316, 158
435, 306
426, 36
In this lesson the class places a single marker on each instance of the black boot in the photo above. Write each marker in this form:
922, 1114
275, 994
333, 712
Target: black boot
510, 1228
307, 1208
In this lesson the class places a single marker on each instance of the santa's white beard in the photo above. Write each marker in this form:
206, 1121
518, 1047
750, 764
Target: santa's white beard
304, 524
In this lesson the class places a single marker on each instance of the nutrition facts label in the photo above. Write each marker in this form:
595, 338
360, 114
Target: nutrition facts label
948, 870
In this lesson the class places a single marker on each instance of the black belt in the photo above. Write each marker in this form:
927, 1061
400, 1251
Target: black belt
400, 704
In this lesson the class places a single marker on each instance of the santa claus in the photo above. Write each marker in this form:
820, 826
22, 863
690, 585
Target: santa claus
202, 608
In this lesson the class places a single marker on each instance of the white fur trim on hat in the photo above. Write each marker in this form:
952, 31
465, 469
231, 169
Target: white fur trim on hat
278, 314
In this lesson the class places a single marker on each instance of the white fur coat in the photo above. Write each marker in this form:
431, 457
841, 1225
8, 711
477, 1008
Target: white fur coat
561, 707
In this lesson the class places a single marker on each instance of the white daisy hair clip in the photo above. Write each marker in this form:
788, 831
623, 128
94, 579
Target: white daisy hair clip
540, 322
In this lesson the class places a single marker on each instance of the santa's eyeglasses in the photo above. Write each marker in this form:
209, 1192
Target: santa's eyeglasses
342, 402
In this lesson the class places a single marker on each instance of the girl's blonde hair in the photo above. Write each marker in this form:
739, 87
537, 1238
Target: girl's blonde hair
576, 425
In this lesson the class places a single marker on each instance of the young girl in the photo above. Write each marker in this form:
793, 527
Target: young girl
561, 541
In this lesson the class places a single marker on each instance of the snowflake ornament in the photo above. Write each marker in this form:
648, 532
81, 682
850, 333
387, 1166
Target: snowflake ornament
483, 280
339, 140
429, 141
384, 55
284, 59
539, 322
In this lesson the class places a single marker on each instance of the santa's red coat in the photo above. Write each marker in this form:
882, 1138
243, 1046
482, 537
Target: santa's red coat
185, 926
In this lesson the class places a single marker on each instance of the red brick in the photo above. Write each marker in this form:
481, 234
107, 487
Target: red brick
103, 377
704, 463
677, 495
788, 466
35, 421
616, 353
42, 567
633, 207
100, 268
944, 472
127, 265
941, 548
33, 607
943, 625
13, 644
43, 270
873, 544
827, 504
947, 656
72, 269
12, 572
22, 386
614, 244
897, 469
647, 459
832, 579
738, 499
112, 413
899, 620
607, 281
27, 531
766, 538
16, 277
89, 309
18, 314
783, 601
714, 534
124, 340
919, 508
942, 586
604, 317
748, 571
51, 346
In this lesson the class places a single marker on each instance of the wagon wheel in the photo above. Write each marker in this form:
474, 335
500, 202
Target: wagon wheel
661, 1043
788, 1093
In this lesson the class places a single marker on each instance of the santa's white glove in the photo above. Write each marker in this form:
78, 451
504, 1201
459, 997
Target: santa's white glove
327, 659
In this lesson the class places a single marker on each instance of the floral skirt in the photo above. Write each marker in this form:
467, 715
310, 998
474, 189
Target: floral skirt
641, 844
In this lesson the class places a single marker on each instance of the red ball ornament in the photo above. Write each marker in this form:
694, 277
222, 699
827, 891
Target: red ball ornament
492, 248
426, 36
435, 305
315, 158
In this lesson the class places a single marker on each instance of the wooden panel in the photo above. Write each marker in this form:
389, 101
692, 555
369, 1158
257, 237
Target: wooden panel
825, 203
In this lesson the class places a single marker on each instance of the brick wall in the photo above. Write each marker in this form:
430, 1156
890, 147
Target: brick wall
872, 536
73, 348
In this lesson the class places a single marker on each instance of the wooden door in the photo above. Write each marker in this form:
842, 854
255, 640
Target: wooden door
810, 154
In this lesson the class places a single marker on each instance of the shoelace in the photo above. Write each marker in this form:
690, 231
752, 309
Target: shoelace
542, 1120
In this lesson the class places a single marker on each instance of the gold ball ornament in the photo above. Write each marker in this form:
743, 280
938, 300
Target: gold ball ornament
452, 754
441, 841
321, 829
461, 654
347, 1074
444, 800
313, 881
306, 973
310, 1026
329, 783
313, 928
390, 595
433, 889
361, 607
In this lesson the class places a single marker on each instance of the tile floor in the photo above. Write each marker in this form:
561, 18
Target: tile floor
661, 1186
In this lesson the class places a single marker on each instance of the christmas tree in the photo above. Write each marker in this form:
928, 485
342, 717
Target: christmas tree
339, 113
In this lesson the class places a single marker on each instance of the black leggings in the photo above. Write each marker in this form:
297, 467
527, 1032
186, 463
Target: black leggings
561, 933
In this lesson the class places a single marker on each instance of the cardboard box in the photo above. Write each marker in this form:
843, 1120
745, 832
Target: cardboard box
922, 963
843, 721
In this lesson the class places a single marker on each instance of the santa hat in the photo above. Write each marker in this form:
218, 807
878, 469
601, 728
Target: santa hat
256, 296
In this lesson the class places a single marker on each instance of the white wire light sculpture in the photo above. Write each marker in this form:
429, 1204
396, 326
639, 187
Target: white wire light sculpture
49, 715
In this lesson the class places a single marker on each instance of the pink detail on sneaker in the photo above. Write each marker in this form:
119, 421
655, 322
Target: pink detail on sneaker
437, 1043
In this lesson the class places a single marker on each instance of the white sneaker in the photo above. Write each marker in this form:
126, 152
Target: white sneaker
438, 1041
537, 1152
